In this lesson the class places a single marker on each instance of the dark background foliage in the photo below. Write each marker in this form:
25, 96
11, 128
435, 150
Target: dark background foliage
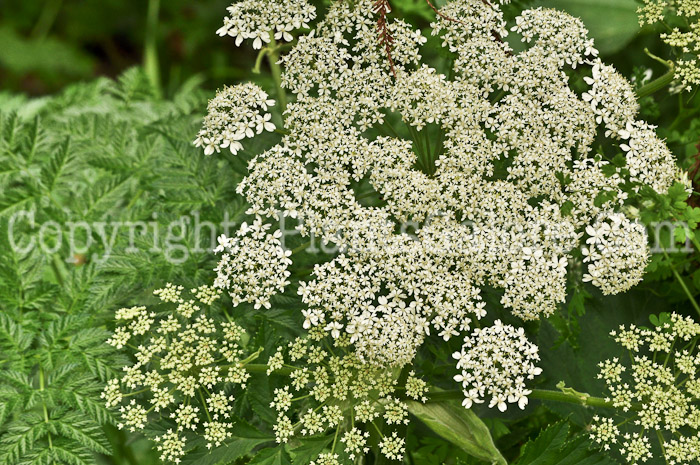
46, 44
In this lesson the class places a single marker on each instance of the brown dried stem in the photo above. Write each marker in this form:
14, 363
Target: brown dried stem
382, 8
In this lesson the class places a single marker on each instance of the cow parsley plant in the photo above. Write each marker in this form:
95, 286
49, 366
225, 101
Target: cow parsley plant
493, 165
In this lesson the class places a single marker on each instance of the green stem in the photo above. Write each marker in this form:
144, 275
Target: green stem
391, 128
261, 368
416, 141
557, 396
135, 393
56, 267
46, 412
204, 404
660, 437
134, 199
335, 439
369, 194
540, 394
273, 57
694, 240
656, 85
428, 150
680, 280
377, 428
660, 82
48, 16
258, 61
301, 248
438, 144
252, 357
150, 55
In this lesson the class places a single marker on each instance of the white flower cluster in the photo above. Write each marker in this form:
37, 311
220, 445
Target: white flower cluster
611, 96
404, 293
253, 265
265, 20
658, 391
686, 41
331, 389
495, 362
343, 90
494, 167
649, 160
185, 364
236, 113
617, 253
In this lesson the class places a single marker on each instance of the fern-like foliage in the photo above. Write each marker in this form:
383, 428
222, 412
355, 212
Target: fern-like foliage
50, 369
103, 154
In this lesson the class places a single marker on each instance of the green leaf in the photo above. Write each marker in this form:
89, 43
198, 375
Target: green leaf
245, 438
612, 23
602, 198
44, 56
577, 304
309, 449
566, 208
603, 314
274, 456
460, 426
619, 160
552, 448
660, 319
564, 179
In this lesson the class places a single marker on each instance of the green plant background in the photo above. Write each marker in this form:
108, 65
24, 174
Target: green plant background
49, 44
98, 107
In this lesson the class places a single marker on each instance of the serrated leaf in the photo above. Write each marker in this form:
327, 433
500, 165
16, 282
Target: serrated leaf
274, 456
309, 449
80, 434
551, 447
87, 154
245, 438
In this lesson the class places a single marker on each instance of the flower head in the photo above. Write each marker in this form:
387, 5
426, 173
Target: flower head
495, 362
177, 369
264, 20
236, 113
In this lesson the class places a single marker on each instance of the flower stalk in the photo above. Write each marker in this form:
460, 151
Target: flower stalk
150, 55
273, 57
541, 394
660, 82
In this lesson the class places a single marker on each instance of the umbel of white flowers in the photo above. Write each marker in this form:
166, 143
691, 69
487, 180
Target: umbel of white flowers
655, 389
323, 380
236, 113
179, 356
496, 361
514, 230
264, 20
